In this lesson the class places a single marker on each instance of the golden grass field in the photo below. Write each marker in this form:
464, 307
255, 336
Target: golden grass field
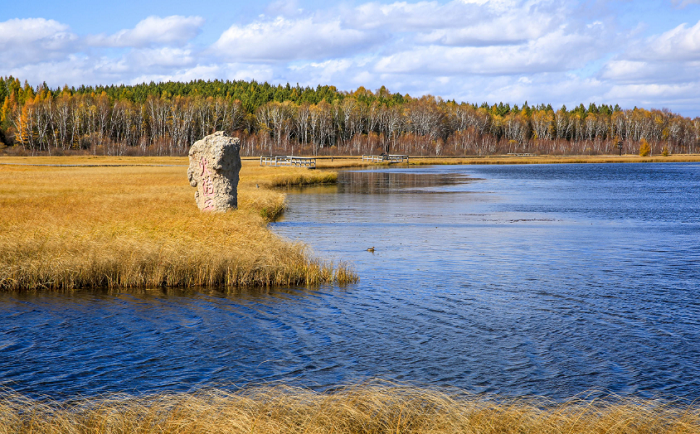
366, 408
138, 226
349, 162
552, 159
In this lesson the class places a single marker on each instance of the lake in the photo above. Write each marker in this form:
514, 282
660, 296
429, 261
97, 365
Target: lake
515, 280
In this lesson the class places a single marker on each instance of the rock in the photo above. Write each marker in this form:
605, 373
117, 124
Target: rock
215, 163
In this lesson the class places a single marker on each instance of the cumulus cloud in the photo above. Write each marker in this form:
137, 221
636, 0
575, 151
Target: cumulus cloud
45, 50
198, 72
486, 34
680, 43
74, 70
285, 39
163, 57
227, 71
462, 22
286, 8
474, 50
680, 97
329, 71
556, 51
34, 39
403, 17
172, 30
658, 70
624, 71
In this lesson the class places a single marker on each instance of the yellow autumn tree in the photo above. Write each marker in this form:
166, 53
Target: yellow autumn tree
644, 148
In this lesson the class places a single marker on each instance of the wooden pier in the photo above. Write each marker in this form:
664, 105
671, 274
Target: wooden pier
308, 162
385, 158
515, 154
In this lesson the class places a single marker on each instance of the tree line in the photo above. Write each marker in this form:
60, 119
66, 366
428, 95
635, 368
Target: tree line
166, 118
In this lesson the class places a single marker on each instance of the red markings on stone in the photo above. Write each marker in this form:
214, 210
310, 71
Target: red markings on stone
207, 185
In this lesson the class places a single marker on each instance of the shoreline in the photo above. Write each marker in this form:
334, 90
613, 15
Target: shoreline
348, 162
329, 163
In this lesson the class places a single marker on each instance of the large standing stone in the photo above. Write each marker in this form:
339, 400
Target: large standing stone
215, 163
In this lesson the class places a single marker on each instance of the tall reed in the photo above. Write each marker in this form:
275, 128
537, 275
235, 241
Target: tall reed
565, 159
367, 408
76, 227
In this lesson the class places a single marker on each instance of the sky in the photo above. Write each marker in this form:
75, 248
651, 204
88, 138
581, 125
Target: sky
631, 53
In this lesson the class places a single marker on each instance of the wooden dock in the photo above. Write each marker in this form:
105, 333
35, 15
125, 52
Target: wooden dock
515, 154
308, 162
385, 158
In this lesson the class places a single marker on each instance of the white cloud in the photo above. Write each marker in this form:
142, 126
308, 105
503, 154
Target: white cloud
74, 70
485, 34
329, 71
34, 39
172, 30
679, 97
287, 8
476, 50
284, 39
198, 72
623, 71
403, 16
166, 57
556, 51
661, 70
226, 71
680, 43
463, 22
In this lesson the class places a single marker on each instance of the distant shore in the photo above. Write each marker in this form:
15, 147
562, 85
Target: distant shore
356, 161
332, 162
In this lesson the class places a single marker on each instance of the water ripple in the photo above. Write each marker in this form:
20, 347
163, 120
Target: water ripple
548, 280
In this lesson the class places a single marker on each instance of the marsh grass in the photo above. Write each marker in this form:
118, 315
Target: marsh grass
365, 408
271, 177
135, 226
546, 159
339, 163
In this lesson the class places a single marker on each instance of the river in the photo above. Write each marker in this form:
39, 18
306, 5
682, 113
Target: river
549, 280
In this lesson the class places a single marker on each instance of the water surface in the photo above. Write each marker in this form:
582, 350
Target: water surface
517, 280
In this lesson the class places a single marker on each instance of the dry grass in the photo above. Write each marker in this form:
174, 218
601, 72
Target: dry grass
77, 227
95, 160
271, 177
566, 159
369, 408
349, 162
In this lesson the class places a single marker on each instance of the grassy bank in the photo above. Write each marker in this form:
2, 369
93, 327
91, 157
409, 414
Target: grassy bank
350, 162
358, 409
138, 226
566, 159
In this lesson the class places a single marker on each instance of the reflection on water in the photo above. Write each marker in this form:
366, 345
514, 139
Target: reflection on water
544, 280
388, 182
392, 182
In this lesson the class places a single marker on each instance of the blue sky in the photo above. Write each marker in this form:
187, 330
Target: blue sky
643, 53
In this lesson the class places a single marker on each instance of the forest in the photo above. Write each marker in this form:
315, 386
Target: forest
166, 118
